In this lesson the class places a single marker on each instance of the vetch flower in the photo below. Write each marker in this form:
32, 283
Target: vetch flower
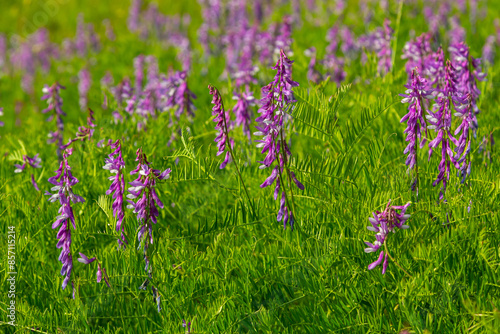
222, 119
63, 183
115, 164
415, 95
100, 269
243, 112
468, 70
143, 191
276, 103
178, 96
440, 120
52, 95
382, 223
33, 163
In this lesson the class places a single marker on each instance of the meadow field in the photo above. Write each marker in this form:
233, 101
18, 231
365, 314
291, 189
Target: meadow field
236, 166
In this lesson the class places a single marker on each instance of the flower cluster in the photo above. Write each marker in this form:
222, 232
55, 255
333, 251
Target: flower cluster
379, 42
243, 112
222, 118
1, 114
468, 70
382, 223
52, 95
418, 52
440, 120
143, 191
32, 162
63, 183
276, 102
415, 95
115, 164
178, 96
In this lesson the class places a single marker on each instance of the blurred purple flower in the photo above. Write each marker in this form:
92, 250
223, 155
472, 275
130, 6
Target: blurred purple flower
489, 49
52, 95
178, 96
83, 88
417, 52
243, 112
187, 326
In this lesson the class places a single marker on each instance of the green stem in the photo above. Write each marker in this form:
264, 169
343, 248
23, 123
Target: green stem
397, 264
233, 157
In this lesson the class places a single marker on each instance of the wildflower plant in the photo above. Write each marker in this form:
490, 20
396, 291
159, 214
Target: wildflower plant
146, 206
415, 95
382, 223
276, 103
115, 164
33, 163
54, 100
222, 119
63, 183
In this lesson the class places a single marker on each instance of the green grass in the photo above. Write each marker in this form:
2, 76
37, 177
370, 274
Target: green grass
241, 272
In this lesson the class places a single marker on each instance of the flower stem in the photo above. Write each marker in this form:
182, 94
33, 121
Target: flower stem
397, 264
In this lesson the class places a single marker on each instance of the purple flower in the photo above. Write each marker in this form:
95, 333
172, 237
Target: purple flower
32, 162
435, 70
468, 70
243, 112
312, 72
115, 164
462, 151
63, 183
139, 73
379, 42
84, 259
3, 53
83, 88
382, 223
489, 49
133, 16
276, 102
418, 52
284, 40
51, 94
415, 95
99, 275
110, 33
178, 96
222, 118
187, 326
143, 191
1, 114
457, 32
